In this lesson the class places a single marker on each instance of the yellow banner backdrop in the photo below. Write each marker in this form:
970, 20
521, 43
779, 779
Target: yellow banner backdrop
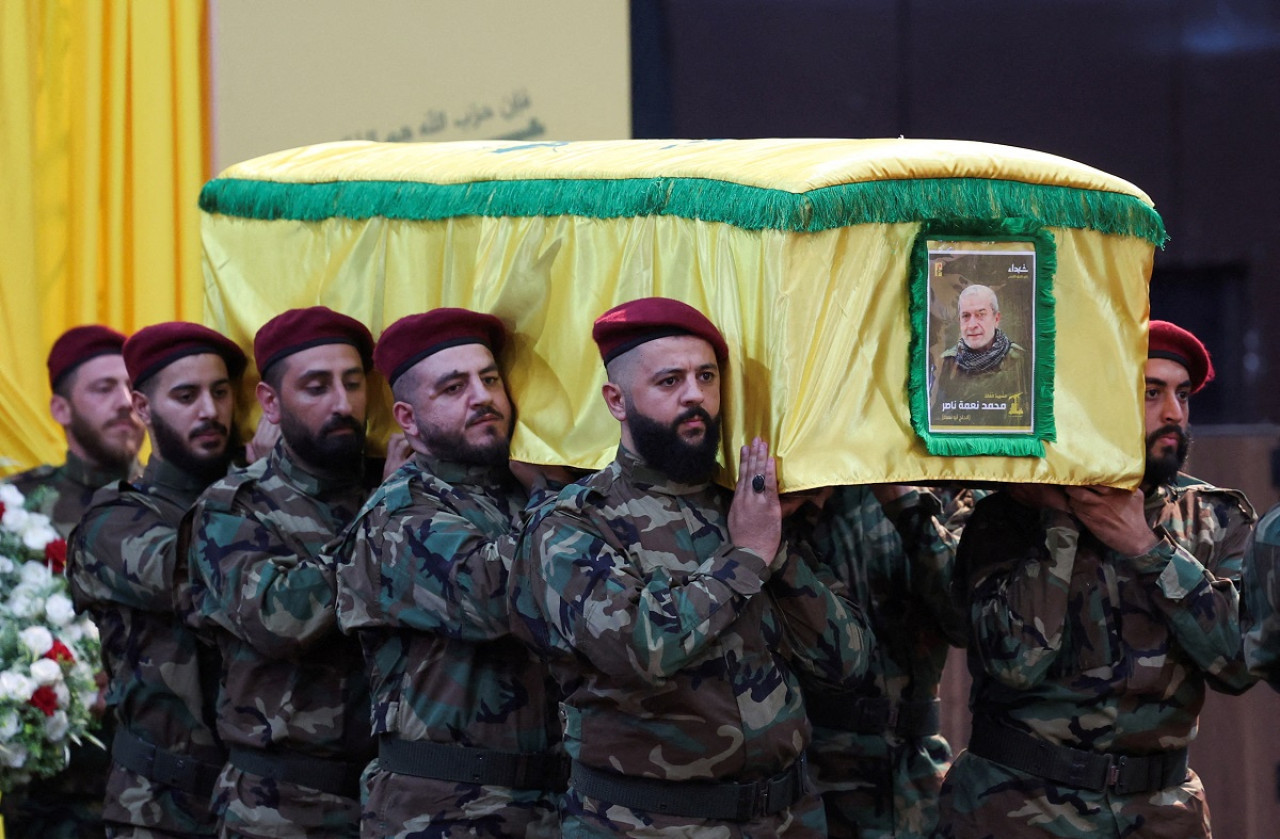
102, 151
799, 250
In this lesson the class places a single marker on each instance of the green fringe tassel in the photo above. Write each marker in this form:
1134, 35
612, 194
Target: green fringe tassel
1044, 427
748, 207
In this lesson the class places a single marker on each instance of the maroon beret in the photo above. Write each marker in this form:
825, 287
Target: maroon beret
79, 344
152, 348
626, 327
1170, 341
301, 329
414, 337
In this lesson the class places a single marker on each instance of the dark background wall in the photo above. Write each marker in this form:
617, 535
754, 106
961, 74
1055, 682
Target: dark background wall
1181, 98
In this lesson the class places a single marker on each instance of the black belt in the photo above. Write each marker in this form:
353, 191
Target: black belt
695, 799
463, 764
880, 715
335, 777
1078, 768
180, 771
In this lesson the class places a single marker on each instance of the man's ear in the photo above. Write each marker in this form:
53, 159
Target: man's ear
60, 408
142, 407
270, 402
403, 414
615, 401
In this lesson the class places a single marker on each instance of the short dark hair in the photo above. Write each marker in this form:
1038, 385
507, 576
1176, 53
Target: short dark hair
405, 385
67, 383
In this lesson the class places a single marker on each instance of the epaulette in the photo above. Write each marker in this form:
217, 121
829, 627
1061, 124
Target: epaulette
221, 496
575, 496
393, 494
110, 492
43, 472
1184, 483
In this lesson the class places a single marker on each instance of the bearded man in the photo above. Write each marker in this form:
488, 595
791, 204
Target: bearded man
1098, 616
123, 569
292, 701
673, 614
93, 404
465, 722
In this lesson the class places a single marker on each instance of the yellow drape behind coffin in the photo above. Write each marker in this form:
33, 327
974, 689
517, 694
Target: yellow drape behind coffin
103, 148
817, 322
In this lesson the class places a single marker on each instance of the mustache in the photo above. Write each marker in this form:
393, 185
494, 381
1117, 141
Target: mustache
205, 427
696, 412
338, 423
1167, 429
484, 412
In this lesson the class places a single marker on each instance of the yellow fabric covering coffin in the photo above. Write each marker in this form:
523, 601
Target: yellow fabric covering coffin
799, 250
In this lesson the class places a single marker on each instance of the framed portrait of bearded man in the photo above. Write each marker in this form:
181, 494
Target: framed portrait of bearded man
981, 382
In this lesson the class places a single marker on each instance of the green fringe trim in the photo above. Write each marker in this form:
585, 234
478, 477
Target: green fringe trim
1043, 427
747, 207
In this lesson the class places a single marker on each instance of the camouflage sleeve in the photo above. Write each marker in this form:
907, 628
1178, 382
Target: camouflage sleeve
246, 581
1019, 575
424, 568
929, 548
122, 552
582, 593
1201, 600
1262, 599
828, 636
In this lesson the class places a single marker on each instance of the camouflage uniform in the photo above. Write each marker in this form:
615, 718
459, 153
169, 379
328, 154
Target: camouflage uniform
1075, 645
68, 804
122, 569
674, 651
1262, 599
293, 702
422, 580
73, 484
879, 763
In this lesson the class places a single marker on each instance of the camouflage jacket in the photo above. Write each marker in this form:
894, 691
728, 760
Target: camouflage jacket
121, 565
897, 561
263, 587
676, 652
1262, 599
73, 485
1082, 646
422, 581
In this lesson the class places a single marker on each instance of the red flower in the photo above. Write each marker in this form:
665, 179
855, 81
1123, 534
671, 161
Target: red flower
55, 555
46, 700
59, 653
1, 509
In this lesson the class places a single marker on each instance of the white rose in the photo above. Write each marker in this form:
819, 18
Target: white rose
56, 725
13, 756
6, 565
37, 532
46, 671
59, 609
25, 601
9, 726
88, 629
38, 639
15, 518
36, 574
16, 686
11, 496
63, 693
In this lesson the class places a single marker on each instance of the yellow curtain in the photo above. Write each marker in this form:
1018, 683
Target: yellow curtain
103, 149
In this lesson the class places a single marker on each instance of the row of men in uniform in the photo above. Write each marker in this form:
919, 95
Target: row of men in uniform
485, 647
